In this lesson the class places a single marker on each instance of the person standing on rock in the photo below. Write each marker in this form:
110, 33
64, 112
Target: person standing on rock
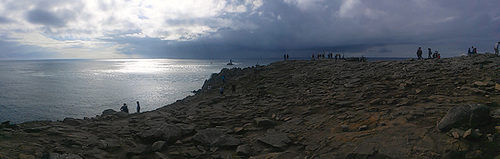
496, 48
138, 107
430, 53
124, 108
419, 53
221, 90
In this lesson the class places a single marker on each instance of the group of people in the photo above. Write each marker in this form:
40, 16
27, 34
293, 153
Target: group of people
124, 108
286, 57
472, 51
431, 55
329, 56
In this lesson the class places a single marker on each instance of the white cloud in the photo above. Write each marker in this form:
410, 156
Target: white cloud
255, 4
357, 9
306, 4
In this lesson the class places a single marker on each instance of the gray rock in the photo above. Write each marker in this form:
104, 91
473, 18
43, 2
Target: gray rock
472, 134
362, 151
64, 156
191, 152
472, 115
109, 144
467, 134
122, 114
36, 129
243, 150
138, 150
278, 140
215, 137
158, 145
344, 128
264, 122
160, 155
496, 114
278, 155
345, 103
166, 132
480, 115
456, 133
363, 128
186, 129
108, 112
72, 121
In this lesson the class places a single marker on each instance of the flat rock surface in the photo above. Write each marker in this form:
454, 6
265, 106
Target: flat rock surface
293, 109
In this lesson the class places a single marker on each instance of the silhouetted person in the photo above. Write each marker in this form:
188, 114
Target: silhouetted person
223, 79
430, 53
124, 108
138, 107
221, 90
284, 57
469, 52
496, 48
419, 53
474, 50
287, 56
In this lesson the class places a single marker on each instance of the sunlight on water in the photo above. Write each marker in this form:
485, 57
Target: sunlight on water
154, 66
55, 89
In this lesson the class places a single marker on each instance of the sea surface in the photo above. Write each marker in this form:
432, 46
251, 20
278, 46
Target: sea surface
55, 89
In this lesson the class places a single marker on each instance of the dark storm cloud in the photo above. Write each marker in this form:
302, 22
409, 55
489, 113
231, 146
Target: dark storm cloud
384, 50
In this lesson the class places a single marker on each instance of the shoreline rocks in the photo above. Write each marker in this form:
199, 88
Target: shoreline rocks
297, 109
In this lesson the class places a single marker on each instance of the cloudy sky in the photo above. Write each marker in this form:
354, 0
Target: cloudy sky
47, 29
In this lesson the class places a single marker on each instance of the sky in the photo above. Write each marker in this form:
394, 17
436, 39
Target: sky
81, 29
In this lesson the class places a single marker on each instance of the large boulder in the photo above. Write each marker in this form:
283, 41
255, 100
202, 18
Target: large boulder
215, 137
471, 115
108, 112
166, 132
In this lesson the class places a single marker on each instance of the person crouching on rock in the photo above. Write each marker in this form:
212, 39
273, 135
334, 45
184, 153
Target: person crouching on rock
124, 108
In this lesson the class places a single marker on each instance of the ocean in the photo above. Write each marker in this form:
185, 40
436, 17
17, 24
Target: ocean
34, 90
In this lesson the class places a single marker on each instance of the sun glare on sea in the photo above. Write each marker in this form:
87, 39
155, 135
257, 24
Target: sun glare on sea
141, 65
